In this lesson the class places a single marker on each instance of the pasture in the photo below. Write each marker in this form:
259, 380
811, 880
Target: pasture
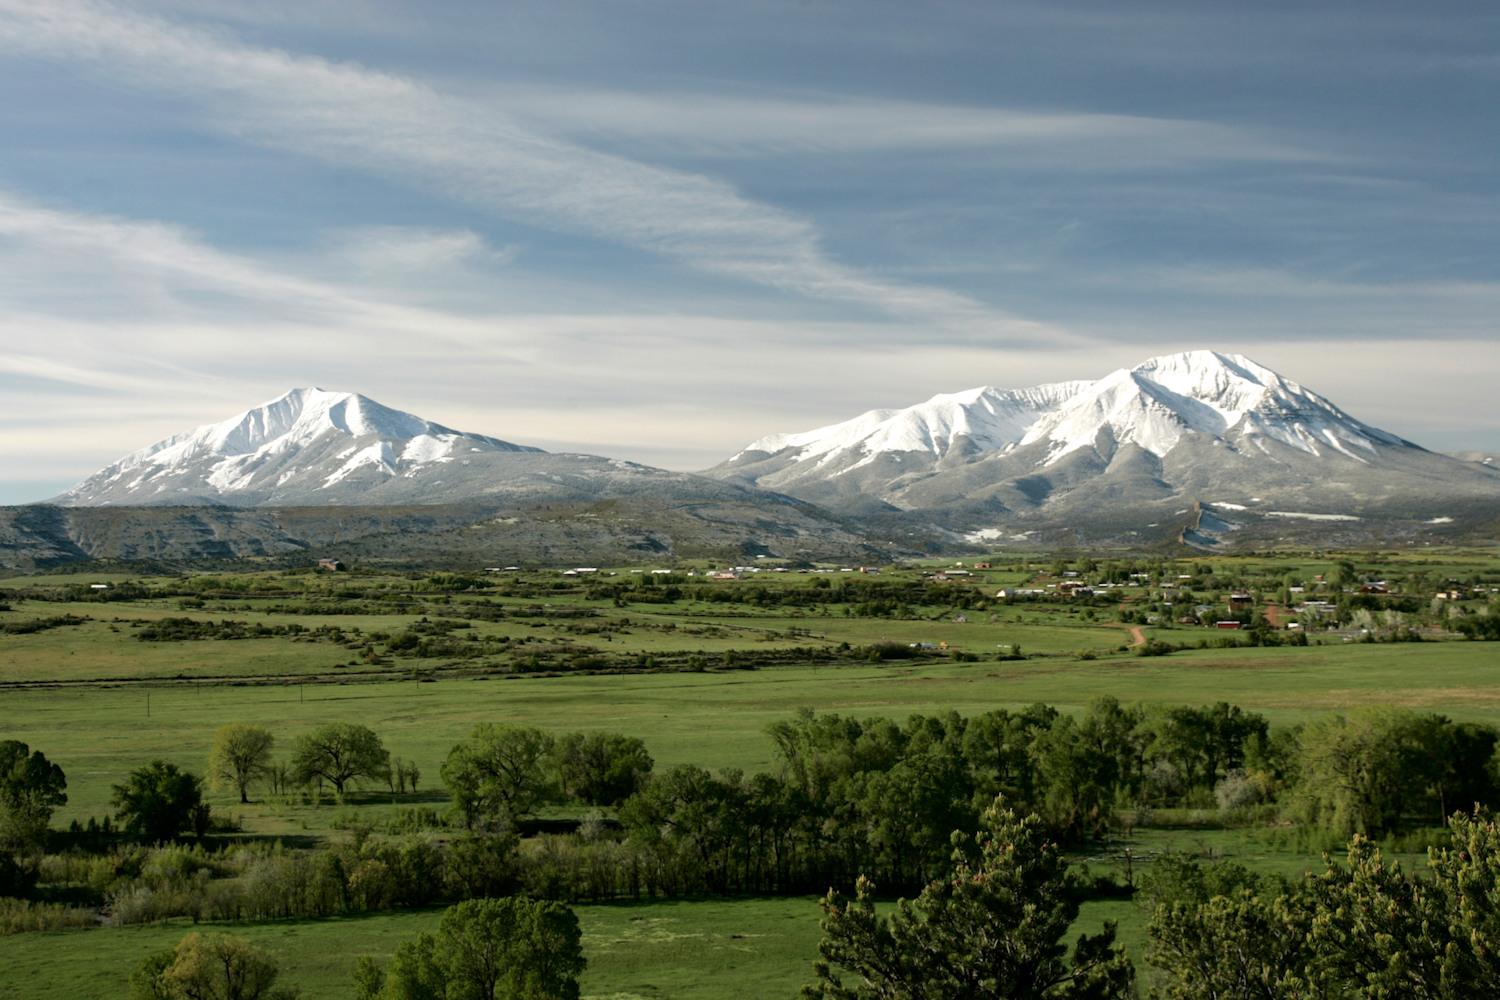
699, 678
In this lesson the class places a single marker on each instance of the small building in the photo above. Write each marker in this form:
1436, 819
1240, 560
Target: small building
1241, 602
330, 565
1228, 626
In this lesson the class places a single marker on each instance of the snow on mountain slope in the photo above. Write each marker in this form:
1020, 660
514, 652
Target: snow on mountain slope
1158, 401
313, 448
1126, 448
293, 447
989, 418
1151, 405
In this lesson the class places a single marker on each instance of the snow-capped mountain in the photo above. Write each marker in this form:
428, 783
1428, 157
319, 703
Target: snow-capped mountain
1152, 405
1163, 434
311, 447
318, 470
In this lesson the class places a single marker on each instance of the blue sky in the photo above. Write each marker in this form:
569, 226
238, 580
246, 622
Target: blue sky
660, 230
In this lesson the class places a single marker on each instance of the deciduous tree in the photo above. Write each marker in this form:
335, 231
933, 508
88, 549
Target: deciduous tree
31, 787
340, 753
498, 774
209, 967
158, 801
602, 769
241, 754
486, 949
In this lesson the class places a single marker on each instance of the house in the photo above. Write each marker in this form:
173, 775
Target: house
331, 565
1241, 602
981, 566
1378, 587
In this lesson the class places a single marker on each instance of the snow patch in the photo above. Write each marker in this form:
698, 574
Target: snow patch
380, 455
1302, 516
425, 448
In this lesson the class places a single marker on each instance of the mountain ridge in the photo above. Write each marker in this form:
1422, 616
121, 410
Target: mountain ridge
298, 437
1123, 459
1135, 445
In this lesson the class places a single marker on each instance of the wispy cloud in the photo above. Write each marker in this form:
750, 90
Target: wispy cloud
365, 120
404, 249
732, 125
146, 271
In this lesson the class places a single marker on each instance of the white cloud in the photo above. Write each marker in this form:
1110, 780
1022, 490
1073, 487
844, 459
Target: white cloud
395, 126
383, 249
731, 125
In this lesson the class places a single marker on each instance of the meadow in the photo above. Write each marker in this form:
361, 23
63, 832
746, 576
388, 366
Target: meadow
99, 701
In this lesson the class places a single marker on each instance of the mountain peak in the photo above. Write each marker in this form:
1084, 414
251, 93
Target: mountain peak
1143, 446
299, 445
1155, 405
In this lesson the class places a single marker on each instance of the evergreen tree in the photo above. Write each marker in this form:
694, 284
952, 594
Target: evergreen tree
993, 928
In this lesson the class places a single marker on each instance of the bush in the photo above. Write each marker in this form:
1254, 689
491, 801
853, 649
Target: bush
1240, 789
20, 916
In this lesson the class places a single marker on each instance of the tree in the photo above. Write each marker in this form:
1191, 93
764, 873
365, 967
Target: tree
498, 775
1366, 929
340, 753
241, 753
1237, 946
1381, 932
208, 967
602, 769
158, 801
31, 787
1362, 773
486, 949
994, 928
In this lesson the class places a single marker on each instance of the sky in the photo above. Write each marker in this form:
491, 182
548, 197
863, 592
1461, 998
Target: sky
660, 230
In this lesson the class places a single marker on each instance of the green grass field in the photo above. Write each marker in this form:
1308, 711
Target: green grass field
681, 950
99, 702
719, 719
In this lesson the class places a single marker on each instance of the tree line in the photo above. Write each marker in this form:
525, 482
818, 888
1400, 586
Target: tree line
847, 797
994, 925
